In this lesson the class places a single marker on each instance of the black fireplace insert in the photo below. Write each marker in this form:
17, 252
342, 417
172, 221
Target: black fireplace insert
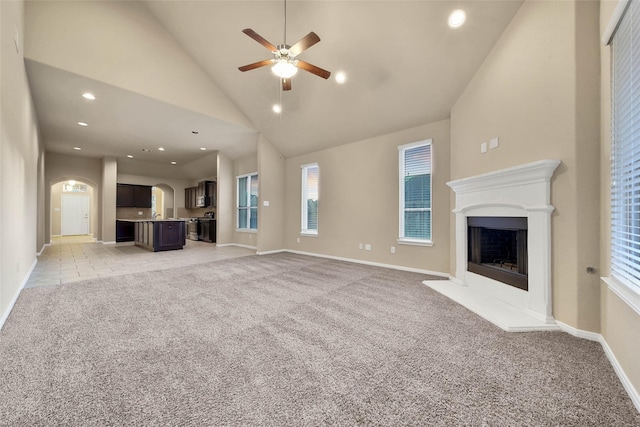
497, 248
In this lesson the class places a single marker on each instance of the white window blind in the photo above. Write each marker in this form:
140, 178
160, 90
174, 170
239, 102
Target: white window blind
625, 168
247, 202
309, 208
415, 191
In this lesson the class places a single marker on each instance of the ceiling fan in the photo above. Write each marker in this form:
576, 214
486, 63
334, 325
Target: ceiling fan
285, 64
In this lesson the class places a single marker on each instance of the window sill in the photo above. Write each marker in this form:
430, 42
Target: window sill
413, 242
309, 233
623, 292
247, 230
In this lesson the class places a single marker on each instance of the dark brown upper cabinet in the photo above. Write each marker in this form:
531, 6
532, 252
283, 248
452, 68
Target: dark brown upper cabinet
133, 196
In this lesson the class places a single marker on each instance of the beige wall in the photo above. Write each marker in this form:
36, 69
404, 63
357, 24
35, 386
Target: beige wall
226, 199
242, 166
359, 201
537, 91
271, 172
108, 27
20, 162
620, 324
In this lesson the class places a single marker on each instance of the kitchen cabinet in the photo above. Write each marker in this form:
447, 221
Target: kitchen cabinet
160, 235
125, 231
124, 195
190, 196
169, 235
204, 190
211, 192
133, 196
207, 230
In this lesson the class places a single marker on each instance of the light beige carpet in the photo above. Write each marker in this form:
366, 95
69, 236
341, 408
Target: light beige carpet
288, 340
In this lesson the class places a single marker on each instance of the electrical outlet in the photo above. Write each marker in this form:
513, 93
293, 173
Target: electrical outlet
360, 245
298, 240
139, 213
483, 147
493, 143
265, 203
393, 249
367, 247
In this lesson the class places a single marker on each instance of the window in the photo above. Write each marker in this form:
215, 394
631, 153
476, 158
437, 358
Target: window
310, 177
625, 153
415, 193
247, 202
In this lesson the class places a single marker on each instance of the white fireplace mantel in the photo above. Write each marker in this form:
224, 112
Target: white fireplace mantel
520, 191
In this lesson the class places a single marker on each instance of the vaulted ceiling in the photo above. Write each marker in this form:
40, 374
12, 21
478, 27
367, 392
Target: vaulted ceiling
404, 67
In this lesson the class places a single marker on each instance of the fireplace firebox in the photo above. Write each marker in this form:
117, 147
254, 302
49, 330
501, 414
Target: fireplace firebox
497, 248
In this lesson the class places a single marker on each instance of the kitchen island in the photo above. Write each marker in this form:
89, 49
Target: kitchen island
158, 234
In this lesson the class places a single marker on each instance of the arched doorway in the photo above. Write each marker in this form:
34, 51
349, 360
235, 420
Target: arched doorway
74, 208
162, 201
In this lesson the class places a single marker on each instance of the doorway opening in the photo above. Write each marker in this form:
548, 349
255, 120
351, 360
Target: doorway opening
73, 208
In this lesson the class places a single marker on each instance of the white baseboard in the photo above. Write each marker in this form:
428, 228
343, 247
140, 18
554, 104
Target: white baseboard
6, 313
43, 248
106, 243
372, 263
276, 251
222, 245
624, 379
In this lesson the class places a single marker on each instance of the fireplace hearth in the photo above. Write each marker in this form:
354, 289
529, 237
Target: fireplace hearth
497, 249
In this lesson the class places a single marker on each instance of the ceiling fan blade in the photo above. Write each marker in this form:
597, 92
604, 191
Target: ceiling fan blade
256, 65
286, 84
313, 69
305, 43
257, 37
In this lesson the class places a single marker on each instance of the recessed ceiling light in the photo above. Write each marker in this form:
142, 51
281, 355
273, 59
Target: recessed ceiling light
130, 156
174, 163
83, 124
277, 108
341, 77
203, 149
88, 95
77, 148
457, 18
160, 149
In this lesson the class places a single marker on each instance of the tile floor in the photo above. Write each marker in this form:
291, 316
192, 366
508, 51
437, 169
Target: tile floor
74, 258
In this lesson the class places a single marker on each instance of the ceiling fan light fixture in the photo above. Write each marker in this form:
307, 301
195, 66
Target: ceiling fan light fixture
284, 68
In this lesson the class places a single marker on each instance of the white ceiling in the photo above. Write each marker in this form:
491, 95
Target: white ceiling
404, 68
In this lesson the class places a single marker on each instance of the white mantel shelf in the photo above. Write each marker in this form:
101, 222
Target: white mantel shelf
520, 191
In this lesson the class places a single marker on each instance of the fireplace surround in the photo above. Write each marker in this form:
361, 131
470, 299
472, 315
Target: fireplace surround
523, 193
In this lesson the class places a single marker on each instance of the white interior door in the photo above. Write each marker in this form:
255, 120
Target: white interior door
74, 214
